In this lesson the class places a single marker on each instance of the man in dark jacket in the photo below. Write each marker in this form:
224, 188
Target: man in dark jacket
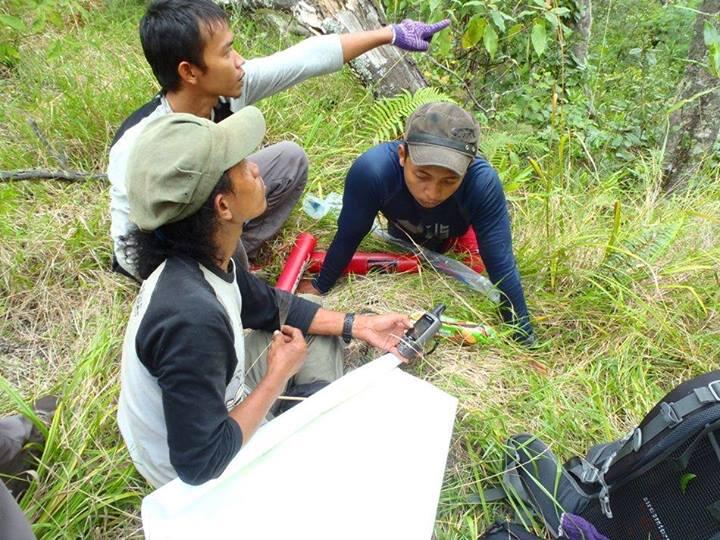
433, 189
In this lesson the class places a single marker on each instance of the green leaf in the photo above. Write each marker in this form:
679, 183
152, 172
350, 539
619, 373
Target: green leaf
13, 22
21, 405
490, 39
55, 18
711, 35
715, 61
55, 50
442, 44
538, 37
515, 29
498, 19
434, 6
474, 32
552, 19
38, 24
9, 55
685, 479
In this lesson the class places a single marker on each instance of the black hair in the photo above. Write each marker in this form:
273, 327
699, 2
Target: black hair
190, 237
171, 32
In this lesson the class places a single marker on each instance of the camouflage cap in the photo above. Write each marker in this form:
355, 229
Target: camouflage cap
444, 135
179, 158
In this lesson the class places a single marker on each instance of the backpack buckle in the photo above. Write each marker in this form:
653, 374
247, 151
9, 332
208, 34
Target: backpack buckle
669, 414
709, 393
605, 503
714, 388
637, 439
590, 473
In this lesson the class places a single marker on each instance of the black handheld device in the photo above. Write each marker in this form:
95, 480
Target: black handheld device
412, 343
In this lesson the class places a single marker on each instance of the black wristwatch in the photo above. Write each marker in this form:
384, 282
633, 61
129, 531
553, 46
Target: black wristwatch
347, 327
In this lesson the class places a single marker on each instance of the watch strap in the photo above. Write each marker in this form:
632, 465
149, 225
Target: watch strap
347, 327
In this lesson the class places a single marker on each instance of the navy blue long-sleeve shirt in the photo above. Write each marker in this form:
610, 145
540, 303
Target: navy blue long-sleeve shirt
375, 183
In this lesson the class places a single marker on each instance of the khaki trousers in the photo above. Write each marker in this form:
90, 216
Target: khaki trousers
324, 361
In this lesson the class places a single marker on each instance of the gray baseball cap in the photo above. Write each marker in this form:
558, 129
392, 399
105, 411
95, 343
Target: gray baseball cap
444, 135
178, 160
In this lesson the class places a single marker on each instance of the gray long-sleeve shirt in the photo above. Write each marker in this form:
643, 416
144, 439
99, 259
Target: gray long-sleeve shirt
263, 77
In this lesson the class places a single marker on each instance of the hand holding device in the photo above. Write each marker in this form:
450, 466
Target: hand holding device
411, 346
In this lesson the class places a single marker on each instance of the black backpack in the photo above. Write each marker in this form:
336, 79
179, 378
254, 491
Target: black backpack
661, 482
507, 531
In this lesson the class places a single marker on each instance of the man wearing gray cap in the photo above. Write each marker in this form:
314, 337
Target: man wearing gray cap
433, 189
194, 386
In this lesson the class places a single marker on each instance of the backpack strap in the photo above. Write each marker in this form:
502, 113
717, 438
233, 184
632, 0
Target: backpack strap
583, 470
492, 494
508, 531
586, 470
683, 459
671, 414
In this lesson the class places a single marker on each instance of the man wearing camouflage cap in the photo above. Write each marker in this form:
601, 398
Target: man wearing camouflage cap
433, 189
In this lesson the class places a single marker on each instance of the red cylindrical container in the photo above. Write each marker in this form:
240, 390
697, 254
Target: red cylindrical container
296, 261
362, 263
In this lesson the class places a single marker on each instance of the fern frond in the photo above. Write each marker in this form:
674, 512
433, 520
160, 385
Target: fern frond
661, 243
386, 119
499, 147
644, 248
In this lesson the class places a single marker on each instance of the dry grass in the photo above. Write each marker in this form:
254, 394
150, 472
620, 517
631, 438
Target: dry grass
53, 287
613, 339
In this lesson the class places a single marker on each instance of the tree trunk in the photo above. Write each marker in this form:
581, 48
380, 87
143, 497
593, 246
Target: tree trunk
386, 70
582, 27
694, 126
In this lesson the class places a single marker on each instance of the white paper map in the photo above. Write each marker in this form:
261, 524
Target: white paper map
364, 458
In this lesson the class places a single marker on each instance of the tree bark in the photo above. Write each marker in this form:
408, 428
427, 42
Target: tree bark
582, 27
386, 70
694, 126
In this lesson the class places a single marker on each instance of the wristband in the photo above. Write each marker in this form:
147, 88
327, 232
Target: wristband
347, 327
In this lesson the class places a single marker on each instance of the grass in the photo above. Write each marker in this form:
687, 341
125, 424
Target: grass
623, 284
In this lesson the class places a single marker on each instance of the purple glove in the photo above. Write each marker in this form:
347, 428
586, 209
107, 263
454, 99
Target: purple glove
576, 528
415, 36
